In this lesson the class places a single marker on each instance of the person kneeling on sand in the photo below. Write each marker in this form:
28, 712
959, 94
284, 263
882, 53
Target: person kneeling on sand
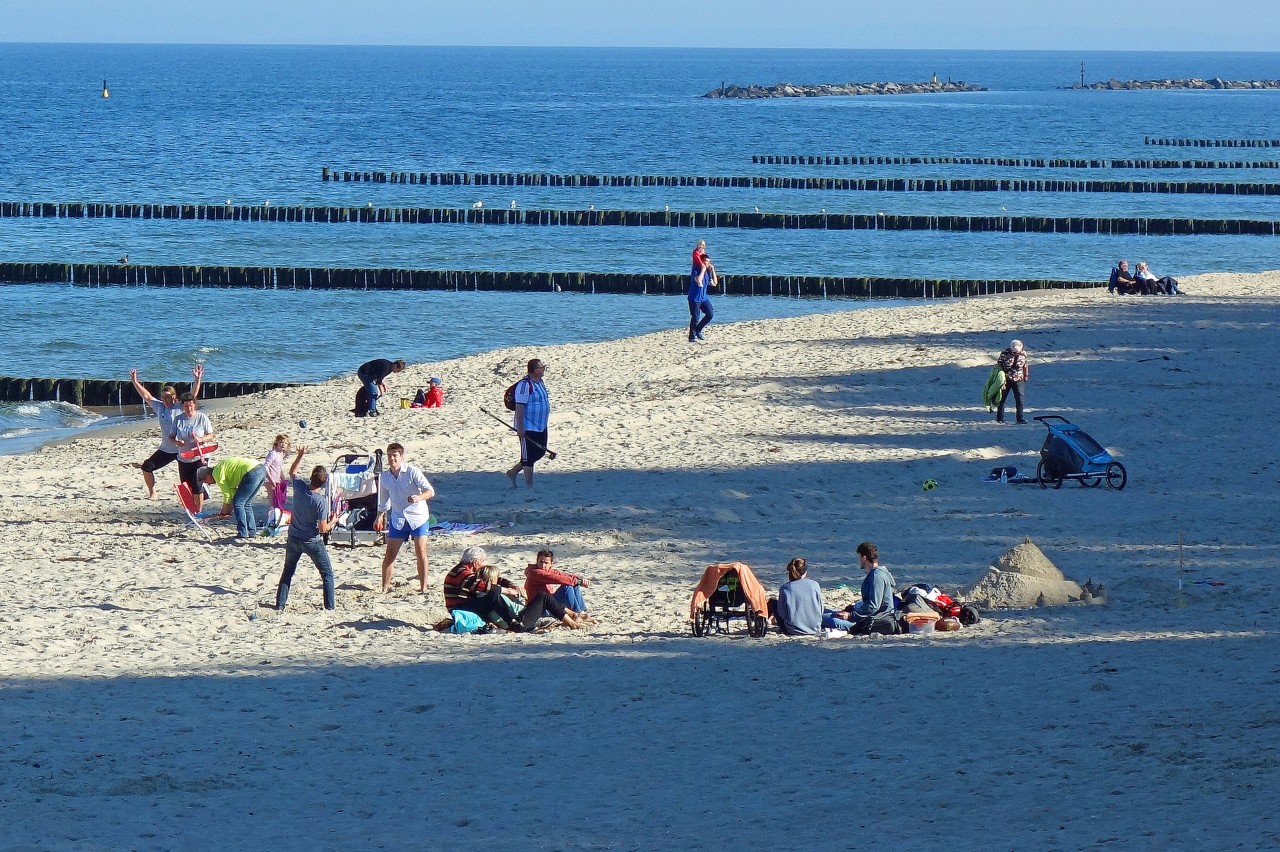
473, 586
567, 588
798, 609
239, 480
875, 613
312, 518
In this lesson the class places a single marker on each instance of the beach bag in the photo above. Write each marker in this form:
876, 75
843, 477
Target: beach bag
362, 402
465, 621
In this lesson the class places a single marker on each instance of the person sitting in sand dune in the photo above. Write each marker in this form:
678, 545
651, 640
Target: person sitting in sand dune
1151, 285
473, 586
1122, 282
798, 609
543, 576
875, 613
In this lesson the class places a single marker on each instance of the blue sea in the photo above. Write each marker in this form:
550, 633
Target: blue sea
204, 124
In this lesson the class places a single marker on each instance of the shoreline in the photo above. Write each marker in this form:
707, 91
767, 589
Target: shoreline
777, 438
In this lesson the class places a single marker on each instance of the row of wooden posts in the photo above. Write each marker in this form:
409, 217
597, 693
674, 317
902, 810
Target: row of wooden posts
705, 220
811, 183
1004, 162
1212, 143
104, 394
323, 278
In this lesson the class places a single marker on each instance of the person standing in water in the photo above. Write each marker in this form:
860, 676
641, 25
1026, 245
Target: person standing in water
701, 278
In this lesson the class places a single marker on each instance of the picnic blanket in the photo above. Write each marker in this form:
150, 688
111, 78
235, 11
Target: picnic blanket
450, 528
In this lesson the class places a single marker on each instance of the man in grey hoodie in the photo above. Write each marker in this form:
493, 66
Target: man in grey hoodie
875, 613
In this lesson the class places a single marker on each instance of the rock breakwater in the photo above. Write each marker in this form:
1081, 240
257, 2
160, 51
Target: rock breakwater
790, 90
1193, 83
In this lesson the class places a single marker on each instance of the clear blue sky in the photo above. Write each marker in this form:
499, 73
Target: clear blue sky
1252, 25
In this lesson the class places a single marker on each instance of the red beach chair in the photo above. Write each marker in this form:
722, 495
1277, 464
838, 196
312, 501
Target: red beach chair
188, 501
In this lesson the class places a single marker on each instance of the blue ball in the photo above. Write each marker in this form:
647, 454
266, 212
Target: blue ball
302, 424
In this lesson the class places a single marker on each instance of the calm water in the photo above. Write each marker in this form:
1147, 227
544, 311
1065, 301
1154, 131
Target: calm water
201, 124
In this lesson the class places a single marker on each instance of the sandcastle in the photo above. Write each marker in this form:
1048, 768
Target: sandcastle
1023, 577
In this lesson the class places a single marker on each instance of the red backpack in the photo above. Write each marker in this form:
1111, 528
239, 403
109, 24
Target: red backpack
509, 397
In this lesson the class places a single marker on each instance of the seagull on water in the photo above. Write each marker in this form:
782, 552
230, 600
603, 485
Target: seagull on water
514, 206
479, 205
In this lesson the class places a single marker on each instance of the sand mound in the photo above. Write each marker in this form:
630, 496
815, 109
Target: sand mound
1019, 578
1028, 559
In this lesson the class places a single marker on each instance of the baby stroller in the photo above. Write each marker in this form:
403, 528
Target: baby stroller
352, 491
728, 591
1069, 453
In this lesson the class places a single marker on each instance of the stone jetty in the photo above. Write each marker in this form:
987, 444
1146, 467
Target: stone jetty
1193, 83
790, 90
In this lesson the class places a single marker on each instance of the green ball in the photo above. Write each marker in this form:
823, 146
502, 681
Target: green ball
929, 484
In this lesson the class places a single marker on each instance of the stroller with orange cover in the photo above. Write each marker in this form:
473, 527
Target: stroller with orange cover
728, 591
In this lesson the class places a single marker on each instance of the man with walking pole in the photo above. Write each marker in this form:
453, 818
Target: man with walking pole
533, 410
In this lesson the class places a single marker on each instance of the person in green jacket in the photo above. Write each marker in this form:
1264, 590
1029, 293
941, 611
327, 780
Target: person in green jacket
993, 390
239, 479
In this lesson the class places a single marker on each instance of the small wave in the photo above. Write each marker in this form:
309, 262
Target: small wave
26, 426
45, 415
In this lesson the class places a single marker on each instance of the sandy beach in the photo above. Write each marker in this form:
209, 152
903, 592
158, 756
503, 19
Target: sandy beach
154, 699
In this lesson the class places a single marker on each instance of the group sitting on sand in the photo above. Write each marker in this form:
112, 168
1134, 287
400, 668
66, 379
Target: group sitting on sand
1141, 282
549, 597
799, 611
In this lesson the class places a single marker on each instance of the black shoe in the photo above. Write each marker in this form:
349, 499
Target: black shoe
1022, 421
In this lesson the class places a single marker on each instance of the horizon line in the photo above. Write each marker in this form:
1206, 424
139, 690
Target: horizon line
719, 48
